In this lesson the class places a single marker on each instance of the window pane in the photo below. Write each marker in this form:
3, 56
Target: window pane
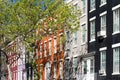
92, 4
61, 70
45, 49
103, 60
103, 23
83, 33
55, 45
116, 52
40, 50
91, 66
116, 20
92, 30
103, 1
83, 6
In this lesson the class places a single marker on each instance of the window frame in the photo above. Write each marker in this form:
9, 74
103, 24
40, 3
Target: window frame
102, 15
103, 61
116, 46
117, 30
93, 19
83, 28
55, 44
45, 48
41, 50
104, 2
92, 7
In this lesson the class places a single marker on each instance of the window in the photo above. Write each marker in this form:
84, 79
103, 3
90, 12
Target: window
103, 61
41, 72
47, 71
61, 70
103, 23
75, 7
68, 35
92, 30
92, 4
55, 70
67, 68
61, 45
45, 49
55, 45
102, 2
116, 20
40, 50
83, 6
75, 38
116, 60
85, 67
91, 66
83, 33
50, 47
75, 64
37, 53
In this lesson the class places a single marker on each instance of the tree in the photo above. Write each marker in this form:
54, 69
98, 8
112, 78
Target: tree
25, 18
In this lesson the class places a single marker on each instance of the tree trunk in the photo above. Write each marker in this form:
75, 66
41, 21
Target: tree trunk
9, 72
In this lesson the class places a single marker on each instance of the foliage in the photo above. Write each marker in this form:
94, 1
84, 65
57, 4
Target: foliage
25, 18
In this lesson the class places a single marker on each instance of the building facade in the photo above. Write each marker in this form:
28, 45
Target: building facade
50, 57
76, 44
104, 38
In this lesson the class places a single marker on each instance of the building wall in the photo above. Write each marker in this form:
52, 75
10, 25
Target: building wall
105, 43
76, 48
46, 63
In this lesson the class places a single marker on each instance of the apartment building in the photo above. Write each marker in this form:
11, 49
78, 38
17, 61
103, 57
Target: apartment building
104, 38
76, 44
50, 57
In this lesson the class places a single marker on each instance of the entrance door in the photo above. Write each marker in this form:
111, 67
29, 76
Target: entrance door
88, 69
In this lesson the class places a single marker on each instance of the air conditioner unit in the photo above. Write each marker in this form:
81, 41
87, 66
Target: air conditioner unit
101, 33
101, 72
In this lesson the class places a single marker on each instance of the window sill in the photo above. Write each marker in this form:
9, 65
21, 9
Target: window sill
82, 44
75, 46
102, 4
104, 74
92, 10
115, 73
83, 15
92, 40
115, 32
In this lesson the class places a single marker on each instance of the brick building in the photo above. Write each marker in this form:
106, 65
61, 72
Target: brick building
50, 57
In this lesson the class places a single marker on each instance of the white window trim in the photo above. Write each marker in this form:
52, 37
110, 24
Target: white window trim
45, 54
92, 40
60, 34
117, 32
92, 10
93, 18
76, 2
116, 45
116, 7
49, 39
82, 15
103, 48
102, 4
84, 23
115, 73
103, 13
